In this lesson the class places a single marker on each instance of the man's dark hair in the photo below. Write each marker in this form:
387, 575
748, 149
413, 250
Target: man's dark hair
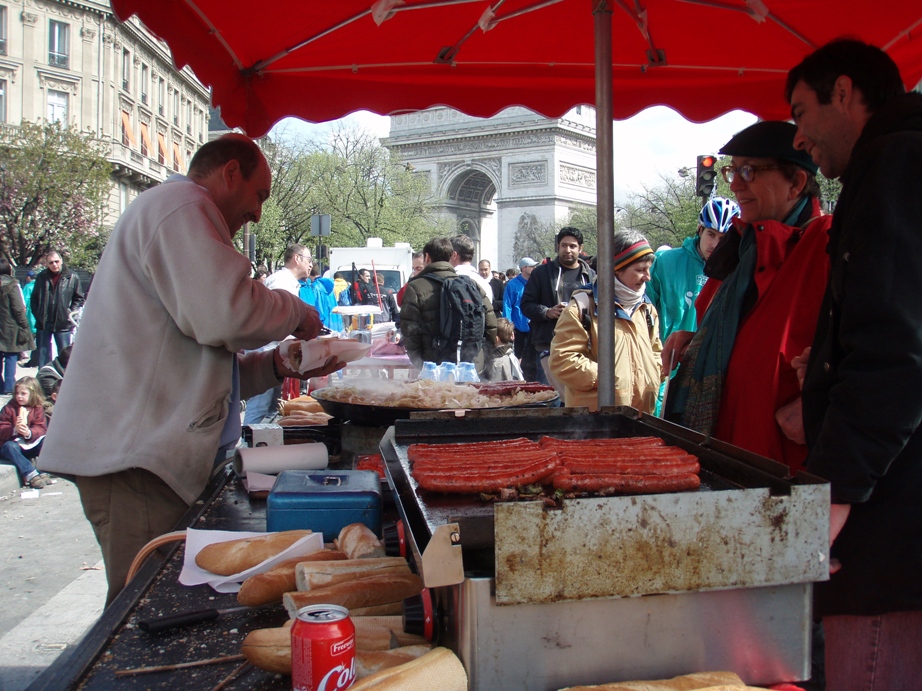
871, 70
219, 151
438, 249
418, 255
574, 233
291, 252
464, 246
5, 269
261, 271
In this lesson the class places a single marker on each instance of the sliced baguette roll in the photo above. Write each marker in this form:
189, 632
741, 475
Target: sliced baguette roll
357, 541
320, 574
362, 592
234, 556
437, 669
265, 588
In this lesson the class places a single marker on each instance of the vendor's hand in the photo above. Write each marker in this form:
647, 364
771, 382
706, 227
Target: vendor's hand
674, 349
310, 327
799, 363
554, 312
838, 514
333, 364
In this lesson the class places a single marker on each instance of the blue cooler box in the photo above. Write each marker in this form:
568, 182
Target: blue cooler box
324, 501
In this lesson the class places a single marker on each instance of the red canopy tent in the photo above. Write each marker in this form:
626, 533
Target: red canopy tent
322, 59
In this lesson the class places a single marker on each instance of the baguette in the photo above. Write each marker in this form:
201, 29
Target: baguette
377, 610
267, 587
357, 541
305, 419
439, 668
362, 592
711, 681
319, 574
234, 556
269, 649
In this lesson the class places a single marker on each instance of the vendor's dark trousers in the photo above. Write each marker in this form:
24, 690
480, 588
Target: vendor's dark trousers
127, 509
874, 653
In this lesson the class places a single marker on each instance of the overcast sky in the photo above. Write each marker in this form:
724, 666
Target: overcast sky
658, 140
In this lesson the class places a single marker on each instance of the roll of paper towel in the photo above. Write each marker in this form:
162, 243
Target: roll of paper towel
271, 460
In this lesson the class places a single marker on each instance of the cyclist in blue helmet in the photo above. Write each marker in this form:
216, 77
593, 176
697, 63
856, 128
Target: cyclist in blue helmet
678, 274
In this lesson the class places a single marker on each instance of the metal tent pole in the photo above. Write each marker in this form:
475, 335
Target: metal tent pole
605, 201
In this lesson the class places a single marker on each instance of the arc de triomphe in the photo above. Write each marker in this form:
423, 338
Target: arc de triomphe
499, 174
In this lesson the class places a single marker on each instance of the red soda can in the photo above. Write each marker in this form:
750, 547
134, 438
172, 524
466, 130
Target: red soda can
322, 649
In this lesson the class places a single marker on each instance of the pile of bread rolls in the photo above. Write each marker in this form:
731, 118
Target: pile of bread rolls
301, 412
355, 575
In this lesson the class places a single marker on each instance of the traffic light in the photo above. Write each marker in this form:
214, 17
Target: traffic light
707, 176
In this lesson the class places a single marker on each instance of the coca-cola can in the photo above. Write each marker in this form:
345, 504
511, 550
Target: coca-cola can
322, 649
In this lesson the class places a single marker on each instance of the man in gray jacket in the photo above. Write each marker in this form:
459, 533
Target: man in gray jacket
154, 382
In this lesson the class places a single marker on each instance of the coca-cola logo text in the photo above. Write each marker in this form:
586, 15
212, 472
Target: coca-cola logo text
338, 678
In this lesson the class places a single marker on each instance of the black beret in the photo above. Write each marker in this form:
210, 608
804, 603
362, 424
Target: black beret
769, 139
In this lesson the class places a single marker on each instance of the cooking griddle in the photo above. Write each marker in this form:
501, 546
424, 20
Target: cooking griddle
755, 504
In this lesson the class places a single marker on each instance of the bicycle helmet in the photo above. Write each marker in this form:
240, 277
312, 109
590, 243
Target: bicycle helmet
718, 213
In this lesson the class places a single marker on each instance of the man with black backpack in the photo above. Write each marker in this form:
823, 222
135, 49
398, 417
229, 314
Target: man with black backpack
445, 317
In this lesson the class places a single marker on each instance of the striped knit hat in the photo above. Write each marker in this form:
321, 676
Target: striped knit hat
631, 254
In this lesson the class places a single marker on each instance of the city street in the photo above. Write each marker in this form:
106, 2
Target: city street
52, 581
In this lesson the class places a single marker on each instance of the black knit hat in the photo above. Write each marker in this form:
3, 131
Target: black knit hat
769, 139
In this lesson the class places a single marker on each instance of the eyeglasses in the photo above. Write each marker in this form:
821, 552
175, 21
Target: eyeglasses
306, 258
748, 173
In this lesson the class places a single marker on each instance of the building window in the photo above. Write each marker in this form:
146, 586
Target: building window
122, 197
2, 30
147, 146
126, 70
2, 100
57, 106
176, 107
145, 81
161, 98
161, 149
128, 138
189, 117
58, 47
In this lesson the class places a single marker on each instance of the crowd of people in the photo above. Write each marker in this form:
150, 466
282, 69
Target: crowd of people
776, 327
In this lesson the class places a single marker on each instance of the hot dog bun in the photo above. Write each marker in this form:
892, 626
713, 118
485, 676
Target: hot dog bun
234, 556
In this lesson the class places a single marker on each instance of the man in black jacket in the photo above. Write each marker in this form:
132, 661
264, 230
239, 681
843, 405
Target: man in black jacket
57, 293
548, 291
862, 392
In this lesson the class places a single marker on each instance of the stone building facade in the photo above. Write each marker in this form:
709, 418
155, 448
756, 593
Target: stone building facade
497, 176
73, 61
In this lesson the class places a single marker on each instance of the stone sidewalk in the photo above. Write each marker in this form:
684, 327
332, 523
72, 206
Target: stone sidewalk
52, 582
